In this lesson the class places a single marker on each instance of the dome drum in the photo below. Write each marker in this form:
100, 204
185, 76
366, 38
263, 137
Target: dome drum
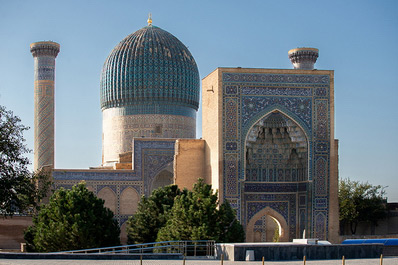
119, 130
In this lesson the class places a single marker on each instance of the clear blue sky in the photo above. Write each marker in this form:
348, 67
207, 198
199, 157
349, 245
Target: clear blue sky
357, 39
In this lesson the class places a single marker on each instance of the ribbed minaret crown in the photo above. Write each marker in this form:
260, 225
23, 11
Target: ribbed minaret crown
303, 58
44, 48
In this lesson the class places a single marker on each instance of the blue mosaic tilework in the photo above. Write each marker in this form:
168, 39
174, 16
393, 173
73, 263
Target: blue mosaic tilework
65, 186
230, 119
301, 107
231, 146
107, 175
150, 65
302, 200
321, 183
305, 100
271, 187
136, 187
231, 89
284, 204
285, 91
281, 207
155, 161
151, 157
303, 186
231, 165
139, 148
321, 92
235, 203
322, 147
320, 225
275, 78
321, 112
154, 108
45, 69
112, 187
321, 203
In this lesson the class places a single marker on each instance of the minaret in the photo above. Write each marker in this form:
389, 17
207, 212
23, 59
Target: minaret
303, 58
44, 54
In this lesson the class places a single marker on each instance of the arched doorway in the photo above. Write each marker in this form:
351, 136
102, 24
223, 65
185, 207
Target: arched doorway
276, 150
267, 226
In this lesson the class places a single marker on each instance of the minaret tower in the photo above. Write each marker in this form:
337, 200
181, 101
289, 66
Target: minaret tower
44, 54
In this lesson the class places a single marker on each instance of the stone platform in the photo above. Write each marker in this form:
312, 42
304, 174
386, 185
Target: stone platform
295, 251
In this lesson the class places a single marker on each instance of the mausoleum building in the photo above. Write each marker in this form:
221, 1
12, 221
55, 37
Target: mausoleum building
267, 141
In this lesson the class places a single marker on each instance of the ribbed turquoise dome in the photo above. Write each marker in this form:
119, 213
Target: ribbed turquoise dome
148, 68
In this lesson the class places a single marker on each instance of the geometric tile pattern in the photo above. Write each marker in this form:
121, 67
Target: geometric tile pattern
150, 66
304, 99
151, 157
301, 107
284, 204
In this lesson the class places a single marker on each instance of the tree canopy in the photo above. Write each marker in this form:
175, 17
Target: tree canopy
18, 186
197, 215
171, 214
143, 227
361, 202
73, 219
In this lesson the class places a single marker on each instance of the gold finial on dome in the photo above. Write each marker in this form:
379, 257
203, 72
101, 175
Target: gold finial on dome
149, 19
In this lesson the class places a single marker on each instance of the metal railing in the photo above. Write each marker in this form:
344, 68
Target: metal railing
196, 248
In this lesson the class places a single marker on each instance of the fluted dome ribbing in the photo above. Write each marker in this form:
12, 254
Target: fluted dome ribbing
150, 65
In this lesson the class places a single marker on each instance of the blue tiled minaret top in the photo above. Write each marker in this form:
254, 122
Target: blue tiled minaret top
150, 67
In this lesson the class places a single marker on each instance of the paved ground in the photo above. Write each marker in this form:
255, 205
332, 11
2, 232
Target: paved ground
386, 261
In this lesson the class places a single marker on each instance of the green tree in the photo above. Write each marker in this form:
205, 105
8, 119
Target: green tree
73, 219
19, 189
143, 227
361, 202
230, 229
195, 216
